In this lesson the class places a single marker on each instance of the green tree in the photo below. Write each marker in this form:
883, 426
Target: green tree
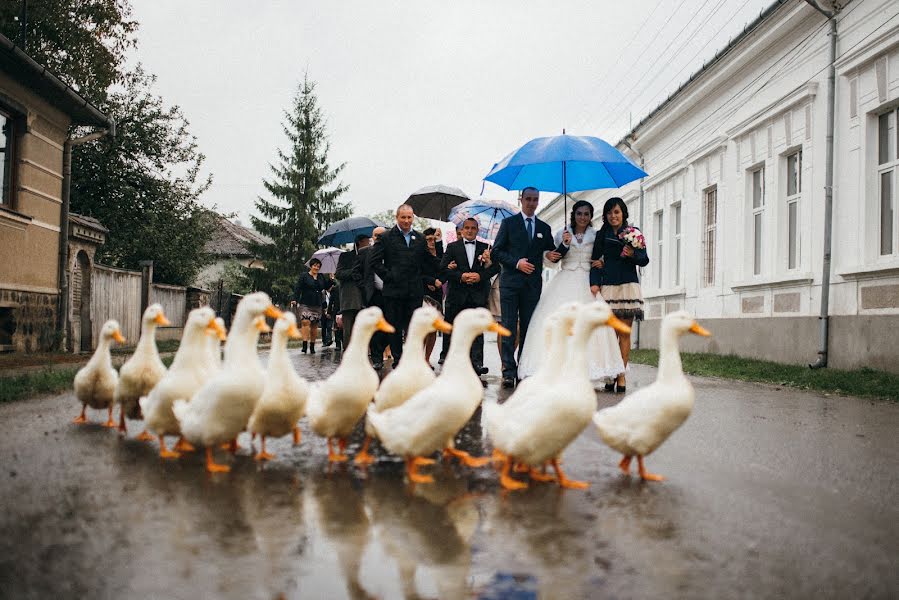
306, 193
83, 42
144, 185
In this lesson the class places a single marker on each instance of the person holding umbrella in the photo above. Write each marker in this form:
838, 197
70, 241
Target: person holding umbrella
521, 244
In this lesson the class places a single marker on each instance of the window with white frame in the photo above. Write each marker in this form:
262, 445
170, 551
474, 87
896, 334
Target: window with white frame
676, 241
887, 167
757, 184
659, 222
7, 145
794, 193
709, 227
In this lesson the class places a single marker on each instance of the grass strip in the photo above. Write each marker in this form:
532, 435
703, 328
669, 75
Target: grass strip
868, 383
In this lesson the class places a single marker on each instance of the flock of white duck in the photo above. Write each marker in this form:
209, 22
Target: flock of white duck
208, 400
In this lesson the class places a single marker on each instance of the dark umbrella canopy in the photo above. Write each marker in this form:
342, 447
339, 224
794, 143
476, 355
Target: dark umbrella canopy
346, 230
435, 201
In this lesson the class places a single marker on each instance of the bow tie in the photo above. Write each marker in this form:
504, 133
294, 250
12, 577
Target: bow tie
473, 242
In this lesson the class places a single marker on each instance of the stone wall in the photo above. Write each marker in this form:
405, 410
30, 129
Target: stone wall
31, 317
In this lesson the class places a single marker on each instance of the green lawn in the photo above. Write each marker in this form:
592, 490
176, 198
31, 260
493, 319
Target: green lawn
863, 382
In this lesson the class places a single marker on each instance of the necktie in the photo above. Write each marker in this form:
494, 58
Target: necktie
472, 243
530, 227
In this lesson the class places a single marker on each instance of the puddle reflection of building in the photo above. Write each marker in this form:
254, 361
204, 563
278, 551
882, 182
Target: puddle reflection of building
427, 530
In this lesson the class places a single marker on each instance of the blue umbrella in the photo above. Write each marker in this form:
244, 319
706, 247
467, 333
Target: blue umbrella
488, 213
346, 230
565, 163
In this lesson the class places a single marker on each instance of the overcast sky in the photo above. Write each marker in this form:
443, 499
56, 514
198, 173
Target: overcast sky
418, 93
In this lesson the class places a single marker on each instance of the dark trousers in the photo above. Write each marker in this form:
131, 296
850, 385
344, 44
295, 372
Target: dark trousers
380, 339
517, 306
327, 326
398, 312
348, 317
477, 348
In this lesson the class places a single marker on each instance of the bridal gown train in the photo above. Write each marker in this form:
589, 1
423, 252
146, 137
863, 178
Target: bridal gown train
571, 284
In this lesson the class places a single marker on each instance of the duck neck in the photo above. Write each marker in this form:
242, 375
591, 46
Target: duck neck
101, 355
458, 360
357, 349
147, 341
193, 342
576, 357
277, 358
240, 347
670, 367
414, 348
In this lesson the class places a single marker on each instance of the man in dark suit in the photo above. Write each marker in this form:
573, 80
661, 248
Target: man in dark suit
519, 246
350, 281
403, 262
372, 287
468, 270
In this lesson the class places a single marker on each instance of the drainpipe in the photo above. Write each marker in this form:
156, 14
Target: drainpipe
643, 167
62, 317
824, 318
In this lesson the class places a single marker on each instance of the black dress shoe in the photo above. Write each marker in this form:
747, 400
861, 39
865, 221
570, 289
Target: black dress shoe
483, 383
441, 360
481, 370
395, 363
609, 387
620, 389
508, 382
377, 366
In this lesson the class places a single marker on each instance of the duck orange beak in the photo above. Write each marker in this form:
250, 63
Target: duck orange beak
618, 325
161, 320
385, 326
499, 329
699, 330
117, 336
293, 332
261, 325
442, 326
273, 312
215, 327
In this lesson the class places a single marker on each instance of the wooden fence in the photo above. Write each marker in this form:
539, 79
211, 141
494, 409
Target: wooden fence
173, 299
115, 294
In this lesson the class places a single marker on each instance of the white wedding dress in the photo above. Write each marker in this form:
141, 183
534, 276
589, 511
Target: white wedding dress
571, 284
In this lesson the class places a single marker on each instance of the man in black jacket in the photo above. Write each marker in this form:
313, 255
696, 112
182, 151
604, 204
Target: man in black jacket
466, 265
350, 280
403, 262
372, 287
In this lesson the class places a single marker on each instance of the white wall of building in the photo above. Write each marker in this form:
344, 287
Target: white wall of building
762, 103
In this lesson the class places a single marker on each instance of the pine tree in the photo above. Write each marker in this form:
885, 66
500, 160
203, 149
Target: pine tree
306, 194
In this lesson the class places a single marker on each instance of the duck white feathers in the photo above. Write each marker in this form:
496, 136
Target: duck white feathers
412, 374
429, 420
142, 371
220, 409
95, 383
639, 424
188, 371
283, 399
336, 404
536, 431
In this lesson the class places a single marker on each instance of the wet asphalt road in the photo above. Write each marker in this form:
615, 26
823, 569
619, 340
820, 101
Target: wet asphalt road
770, 493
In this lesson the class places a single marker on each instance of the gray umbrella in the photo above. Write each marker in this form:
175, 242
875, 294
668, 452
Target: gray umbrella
435, 201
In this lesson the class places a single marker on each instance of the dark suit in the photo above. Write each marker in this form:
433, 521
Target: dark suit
371, 296
467, 295
405, 269
350, 291
519, 292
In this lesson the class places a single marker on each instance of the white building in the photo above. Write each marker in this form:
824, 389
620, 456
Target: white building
733, 207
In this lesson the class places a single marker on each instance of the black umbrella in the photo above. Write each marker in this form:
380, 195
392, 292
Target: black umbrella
346, 230
435, 201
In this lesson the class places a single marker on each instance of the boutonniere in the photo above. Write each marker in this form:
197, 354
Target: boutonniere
412, 237
540, 235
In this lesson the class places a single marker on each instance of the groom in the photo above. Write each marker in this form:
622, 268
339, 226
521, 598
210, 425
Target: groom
519, 246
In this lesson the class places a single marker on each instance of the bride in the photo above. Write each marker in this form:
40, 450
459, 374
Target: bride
572, 283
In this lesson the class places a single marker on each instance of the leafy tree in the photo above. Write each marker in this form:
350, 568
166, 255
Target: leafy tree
144, 185
305, 191
84, 42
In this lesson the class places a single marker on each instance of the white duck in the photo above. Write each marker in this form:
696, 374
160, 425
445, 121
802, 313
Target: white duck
412, 374
336, 404
189, 369
283, 400
220, 409
142, 371
215, 343
95, 383
538, 431
643, 420
430, 419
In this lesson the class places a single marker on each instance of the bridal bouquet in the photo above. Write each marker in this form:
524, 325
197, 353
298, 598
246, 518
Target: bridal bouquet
633, 237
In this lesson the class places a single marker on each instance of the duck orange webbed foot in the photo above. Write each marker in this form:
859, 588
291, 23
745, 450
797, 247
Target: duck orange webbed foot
363, 457
144, 436
412, 473
82, 418
165, 452
110, 422
123, 427
262, 454
625, 465
296, 436
182, 445
337, 456
506, 481
644, 475
465, 458
541, 476
566, 483
212, 466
